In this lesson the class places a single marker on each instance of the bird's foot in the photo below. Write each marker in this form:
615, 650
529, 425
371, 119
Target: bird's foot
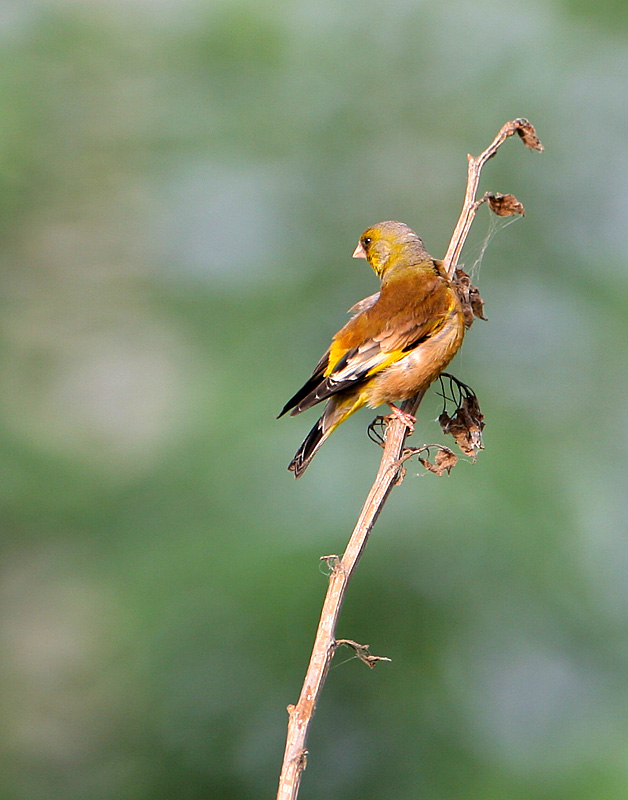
407, 419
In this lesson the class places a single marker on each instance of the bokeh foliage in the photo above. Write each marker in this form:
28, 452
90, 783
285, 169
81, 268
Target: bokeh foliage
182, 186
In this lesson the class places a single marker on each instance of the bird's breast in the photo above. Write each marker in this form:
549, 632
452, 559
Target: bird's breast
419, 367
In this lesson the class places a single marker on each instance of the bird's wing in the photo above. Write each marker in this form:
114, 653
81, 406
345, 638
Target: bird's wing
310, 385
377, 337
318, 374
362, 305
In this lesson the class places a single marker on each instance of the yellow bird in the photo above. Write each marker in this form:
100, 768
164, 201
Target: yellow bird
398, 341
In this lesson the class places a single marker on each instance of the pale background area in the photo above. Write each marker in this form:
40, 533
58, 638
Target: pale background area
181, 187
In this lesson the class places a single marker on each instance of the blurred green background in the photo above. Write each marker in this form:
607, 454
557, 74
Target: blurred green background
182, 185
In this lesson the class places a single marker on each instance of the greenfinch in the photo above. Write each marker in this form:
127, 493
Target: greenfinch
396, 343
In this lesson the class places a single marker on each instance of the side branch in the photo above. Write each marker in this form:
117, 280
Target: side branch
388, 475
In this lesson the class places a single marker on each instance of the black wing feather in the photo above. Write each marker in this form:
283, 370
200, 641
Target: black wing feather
309, 386
330, 385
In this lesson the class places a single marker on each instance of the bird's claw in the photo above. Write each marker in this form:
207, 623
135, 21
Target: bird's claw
407, 419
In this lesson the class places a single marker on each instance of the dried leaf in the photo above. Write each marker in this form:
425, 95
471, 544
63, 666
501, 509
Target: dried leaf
528, 135
465, 426
505, 205
472, 303
445, 422
428, 465
476, 302
467, 313
444, 461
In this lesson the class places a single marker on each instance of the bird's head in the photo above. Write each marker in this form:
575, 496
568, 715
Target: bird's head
389, 243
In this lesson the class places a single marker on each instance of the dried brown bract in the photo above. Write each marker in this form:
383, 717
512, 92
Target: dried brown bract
465, 426
526, 130
505, 205
472, 303
477, 304
444, 461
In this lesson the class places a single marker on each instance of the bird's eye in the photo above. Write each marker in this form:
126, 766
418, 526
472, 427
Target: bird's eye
367, 240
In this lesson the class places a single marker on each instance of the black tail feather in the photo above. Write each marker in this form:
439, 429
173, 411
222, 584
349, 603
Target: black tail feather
306, 452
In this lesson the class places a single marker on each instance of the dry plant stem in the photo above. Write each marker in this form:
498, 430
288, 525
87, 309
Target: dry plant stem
471, 205
300, 715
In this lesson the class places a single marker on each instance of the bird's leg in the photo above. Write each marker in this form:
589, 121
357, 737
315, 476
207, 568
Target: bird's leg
376, 429
407, 419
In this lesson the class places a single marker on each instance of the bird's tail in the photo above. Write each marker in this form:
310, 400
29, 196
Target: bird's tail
336, 411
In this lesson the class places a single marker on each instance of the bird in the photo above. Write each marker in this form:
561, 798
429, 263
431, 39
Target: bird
396, 343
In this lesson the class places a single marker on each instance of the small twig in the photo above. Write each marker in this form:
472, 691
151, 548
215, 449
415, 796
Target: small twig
388, 474
376, 431
362, 652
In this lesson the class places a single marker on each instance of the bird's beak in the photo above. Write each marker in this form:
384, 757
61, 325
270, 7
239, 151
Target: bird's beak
359, 251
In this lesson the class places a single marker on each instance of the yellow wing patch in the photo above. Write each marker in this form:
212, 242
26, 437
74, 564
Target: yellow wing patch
391, 358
